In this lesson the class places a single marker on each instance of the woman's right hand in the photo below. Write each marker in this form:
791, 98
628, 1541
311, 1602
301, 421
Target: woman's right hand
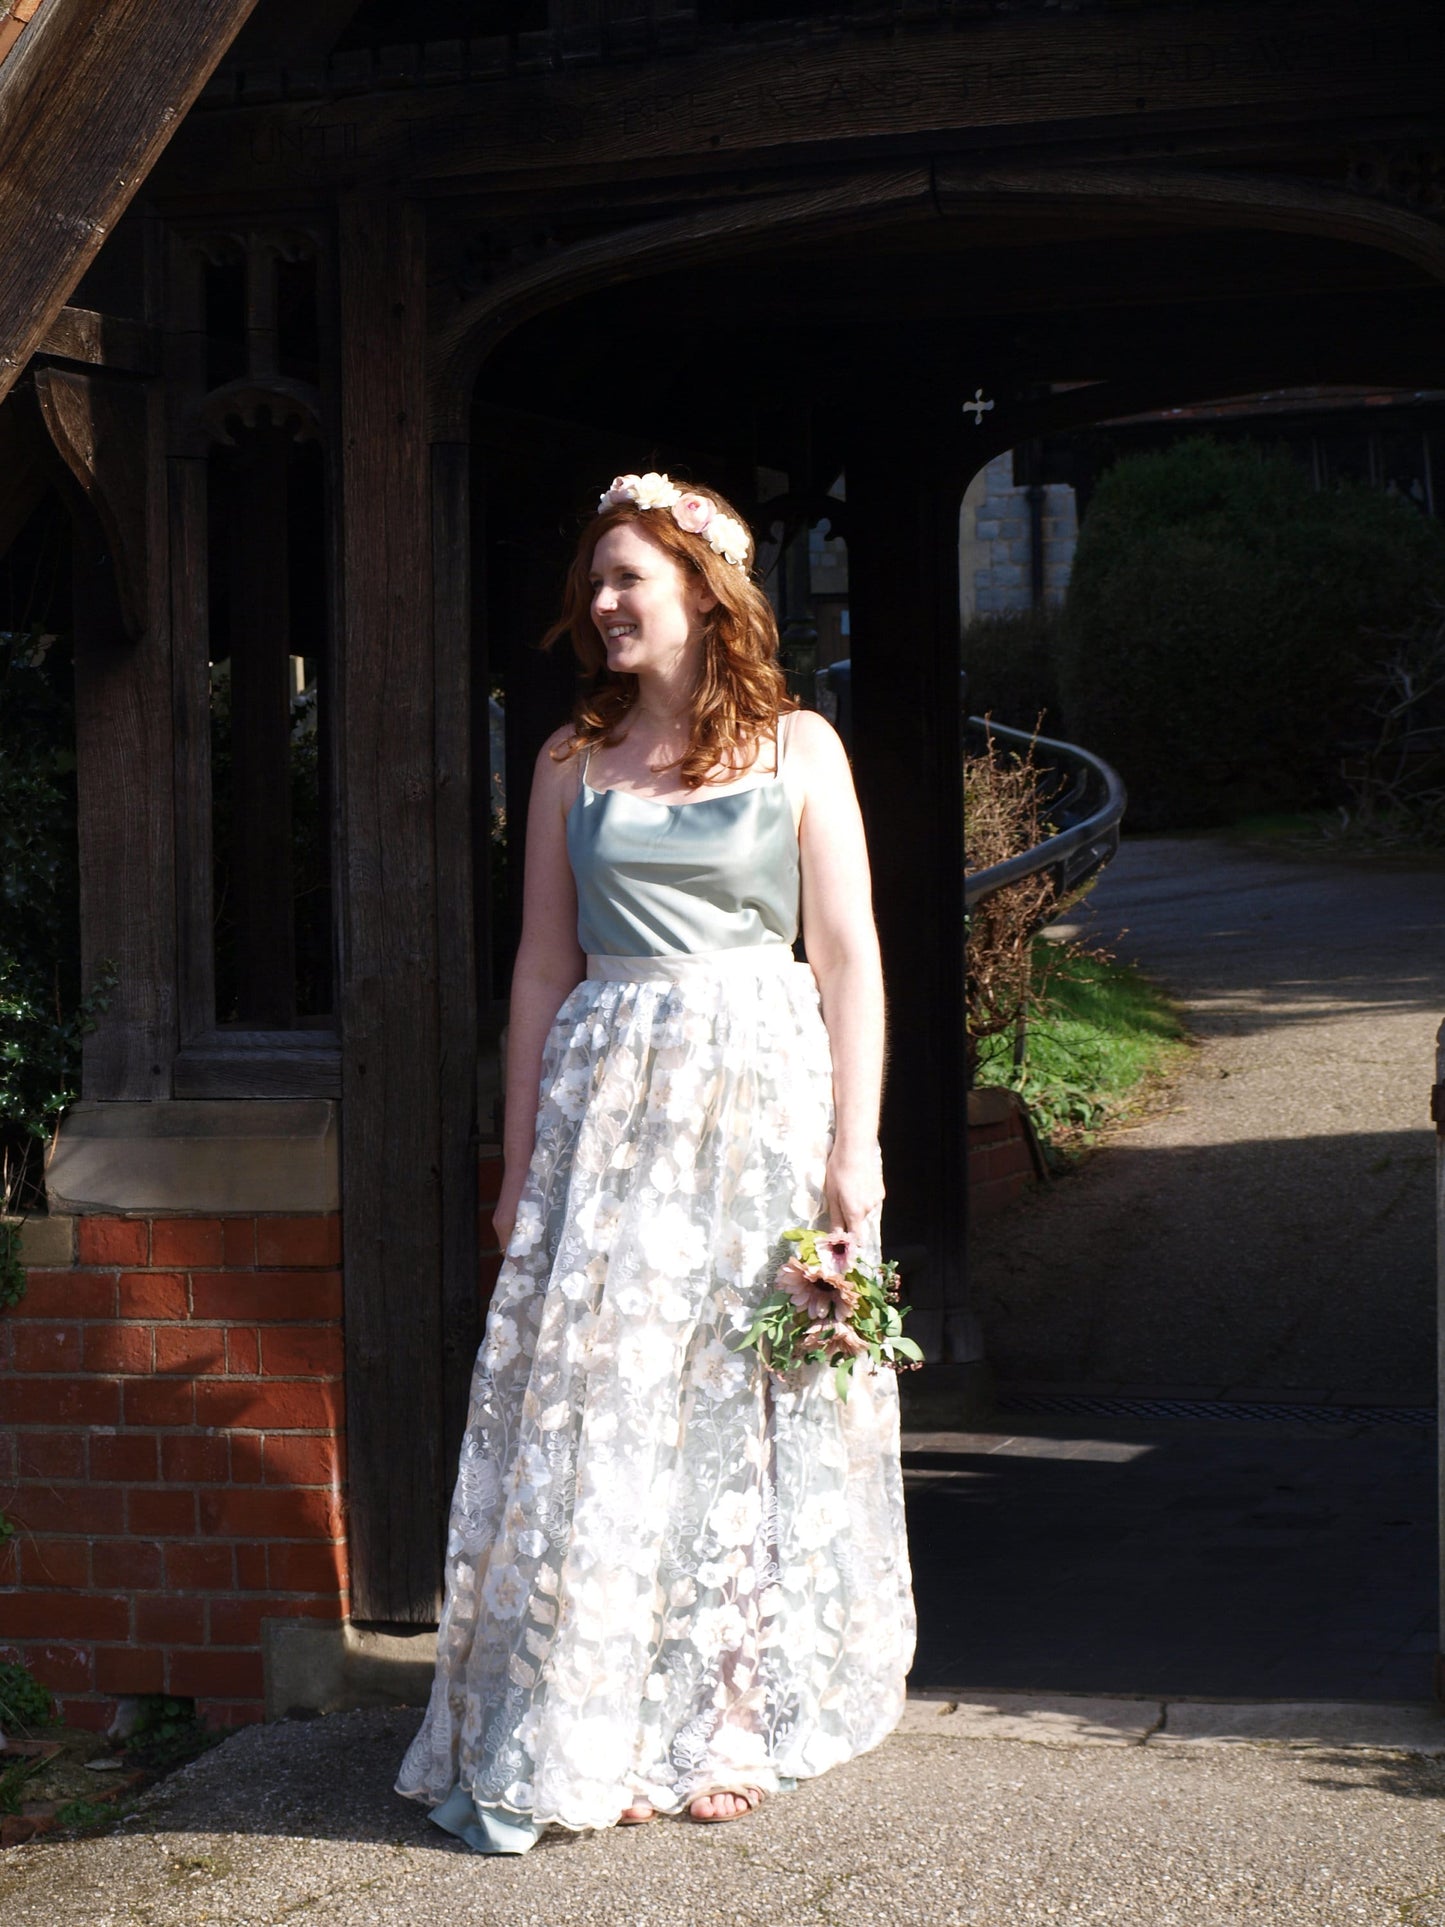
504, 1212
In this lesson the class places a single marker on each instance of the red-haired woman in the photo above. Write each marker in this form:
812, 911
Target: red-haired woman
674, 1584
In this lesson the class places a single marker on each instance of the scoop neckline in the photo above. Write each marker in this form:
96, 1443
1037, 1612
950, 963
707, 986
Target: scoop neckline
774, 781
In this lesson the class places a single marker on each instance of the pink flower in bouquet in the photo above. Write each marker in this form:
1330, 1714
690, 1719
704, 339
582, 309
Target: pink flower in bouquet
838, 1254
842, 1341
693, 513
817, 1295
809, 1293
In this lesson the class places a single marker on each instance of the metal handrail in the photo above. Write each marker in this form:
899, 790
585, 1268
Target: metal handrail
1075, 852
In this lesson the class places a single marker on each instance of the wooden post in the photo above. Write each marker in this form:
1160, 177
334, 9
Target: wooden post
456, 938
110, 435
908, 755
391, 1086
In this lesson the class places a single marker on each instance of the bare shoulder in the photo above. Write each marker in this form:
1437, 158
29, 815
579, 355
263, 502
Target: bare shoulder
816, 745
811, 734
550, 757
555, 774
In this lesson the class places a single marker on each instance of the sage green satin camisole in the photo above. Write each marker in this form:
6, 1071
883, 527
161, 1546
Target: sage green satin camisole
668, 879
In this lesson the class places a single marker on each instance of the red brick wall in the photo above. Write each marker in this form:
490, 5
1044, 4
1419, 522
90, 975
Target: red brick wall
171, 1454
1002, 1160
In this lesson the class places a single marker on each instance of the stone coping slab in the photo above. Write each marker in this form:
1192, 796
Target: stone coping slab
328, 1668
1066, 1719
197, 1155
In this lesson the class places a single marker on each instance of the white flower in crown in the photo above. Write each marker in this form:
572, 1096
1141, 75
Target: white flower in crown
654, 491
729, 539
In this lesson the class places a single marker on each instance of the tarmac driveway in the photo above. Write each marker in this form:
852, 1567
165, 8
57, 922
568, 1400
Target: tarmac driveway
1271, 1234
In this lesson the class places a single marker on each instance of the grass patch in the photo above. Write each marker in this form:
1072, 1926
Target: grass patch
1337, 836
1103, 1038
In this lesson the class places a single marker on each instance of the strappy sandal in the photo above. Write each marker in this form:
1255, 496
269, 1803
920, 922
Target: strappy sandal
751, 1797
629, 1817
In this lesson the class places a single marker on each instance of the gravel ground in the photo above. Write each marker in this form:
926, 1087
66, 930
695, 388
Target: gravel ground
297, 1823
1272, 1232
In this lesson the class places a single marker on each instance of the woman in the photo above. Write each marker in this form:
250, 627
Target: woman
674, 1584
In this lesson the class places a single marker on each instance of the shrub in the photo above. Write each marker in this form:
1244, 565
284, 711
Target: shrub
1220, 616
1011, 662
1002, 818
42, 1013
25, 1705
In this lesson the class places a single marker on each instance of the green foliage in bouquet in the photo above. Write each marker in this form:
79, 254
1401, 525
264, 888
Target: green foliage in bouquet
831, 1307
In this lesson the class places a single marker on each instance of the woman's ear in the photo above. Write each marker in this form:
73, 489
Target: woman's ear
704, 601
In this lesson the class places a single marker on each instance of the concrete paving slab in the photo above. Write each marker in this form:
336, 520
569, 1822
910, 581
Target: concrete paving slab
1392, 1728
297, 1822
1052, 1719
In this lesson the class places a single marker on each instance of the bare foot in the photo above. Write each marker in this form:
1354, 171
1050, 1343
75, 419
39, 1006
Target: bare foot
635, 1815
730, 1805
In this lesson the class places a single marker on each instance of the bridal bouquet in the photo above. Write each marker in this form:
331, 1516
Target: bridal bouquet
831, 1307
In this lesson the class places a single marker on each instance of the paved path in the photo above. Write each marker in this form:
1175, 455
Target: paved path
998, 1814
1247, 1559
1272, 1233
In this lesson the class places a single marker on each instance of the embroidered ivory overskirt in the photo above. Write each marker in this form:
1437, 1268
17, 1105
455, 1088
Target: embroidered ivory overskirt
665, 1572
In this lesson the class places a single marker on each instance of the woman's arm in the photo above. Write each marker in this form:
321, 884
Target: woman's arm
842, 946
549, 965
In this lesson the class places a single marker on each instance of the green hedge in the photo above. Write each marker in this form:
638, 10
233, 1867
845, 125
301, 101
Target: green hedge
1012, 668
1221, 615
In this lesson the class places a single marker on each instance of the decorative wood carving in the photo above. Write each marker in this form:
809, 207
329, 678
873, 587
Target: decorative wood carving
100, 426
463, 340
294, 406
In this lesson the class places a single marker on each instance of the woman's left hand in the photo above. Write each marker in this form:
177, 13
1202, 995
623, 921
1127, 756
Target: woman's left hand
853, 1187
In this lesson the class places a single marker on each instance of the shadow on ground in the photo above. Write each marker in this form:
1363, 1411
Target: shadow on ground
1228, 1560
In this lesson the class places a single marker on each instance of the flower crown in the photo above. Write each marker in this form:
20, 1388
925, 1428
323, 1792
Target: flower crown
697, 514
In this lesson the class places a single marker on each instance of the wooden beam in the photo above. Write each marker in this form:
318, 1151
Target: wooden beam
88, 100
976, 83
102, 340
391, 1083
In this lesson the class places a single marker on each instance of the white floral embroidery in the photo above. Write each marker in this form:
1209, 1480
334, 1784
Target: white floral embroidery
663, 1568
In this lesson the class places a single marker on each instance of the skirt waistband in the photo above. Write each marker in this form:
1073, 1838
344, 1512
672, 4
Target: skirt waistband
751, 960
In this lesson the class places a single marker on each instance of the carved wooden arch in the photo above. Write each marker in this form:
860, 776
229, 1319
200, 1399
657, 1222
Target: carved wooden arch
1193, 197
462, 344
100, 429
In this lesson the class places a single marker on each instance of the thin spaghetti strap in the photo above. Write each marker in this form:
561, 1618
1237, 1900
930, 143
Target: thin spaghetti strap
586, 765
781, 742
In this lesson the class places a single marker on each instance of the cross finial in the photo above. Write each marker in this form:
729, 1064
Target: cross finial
978, 406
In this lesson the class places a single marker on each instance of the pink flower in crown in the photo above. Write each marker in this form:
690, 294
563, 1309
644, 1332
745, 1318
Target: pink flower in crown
694, 512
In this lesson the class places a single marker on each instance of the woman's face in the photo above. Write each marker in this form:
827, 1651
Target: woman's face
647, 607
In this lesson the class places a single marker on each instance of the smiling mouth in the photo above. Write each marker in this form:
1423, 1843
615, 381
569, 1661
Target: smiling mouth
614, 632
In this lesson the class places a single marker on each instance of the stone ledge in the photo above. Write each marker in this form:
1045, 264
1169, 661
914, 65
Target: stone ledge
1068, 1719
313, 1666
206, 1156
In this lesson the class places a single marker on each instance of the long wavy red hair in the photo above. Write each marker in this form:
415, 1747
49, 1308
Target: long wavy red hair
742, 690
